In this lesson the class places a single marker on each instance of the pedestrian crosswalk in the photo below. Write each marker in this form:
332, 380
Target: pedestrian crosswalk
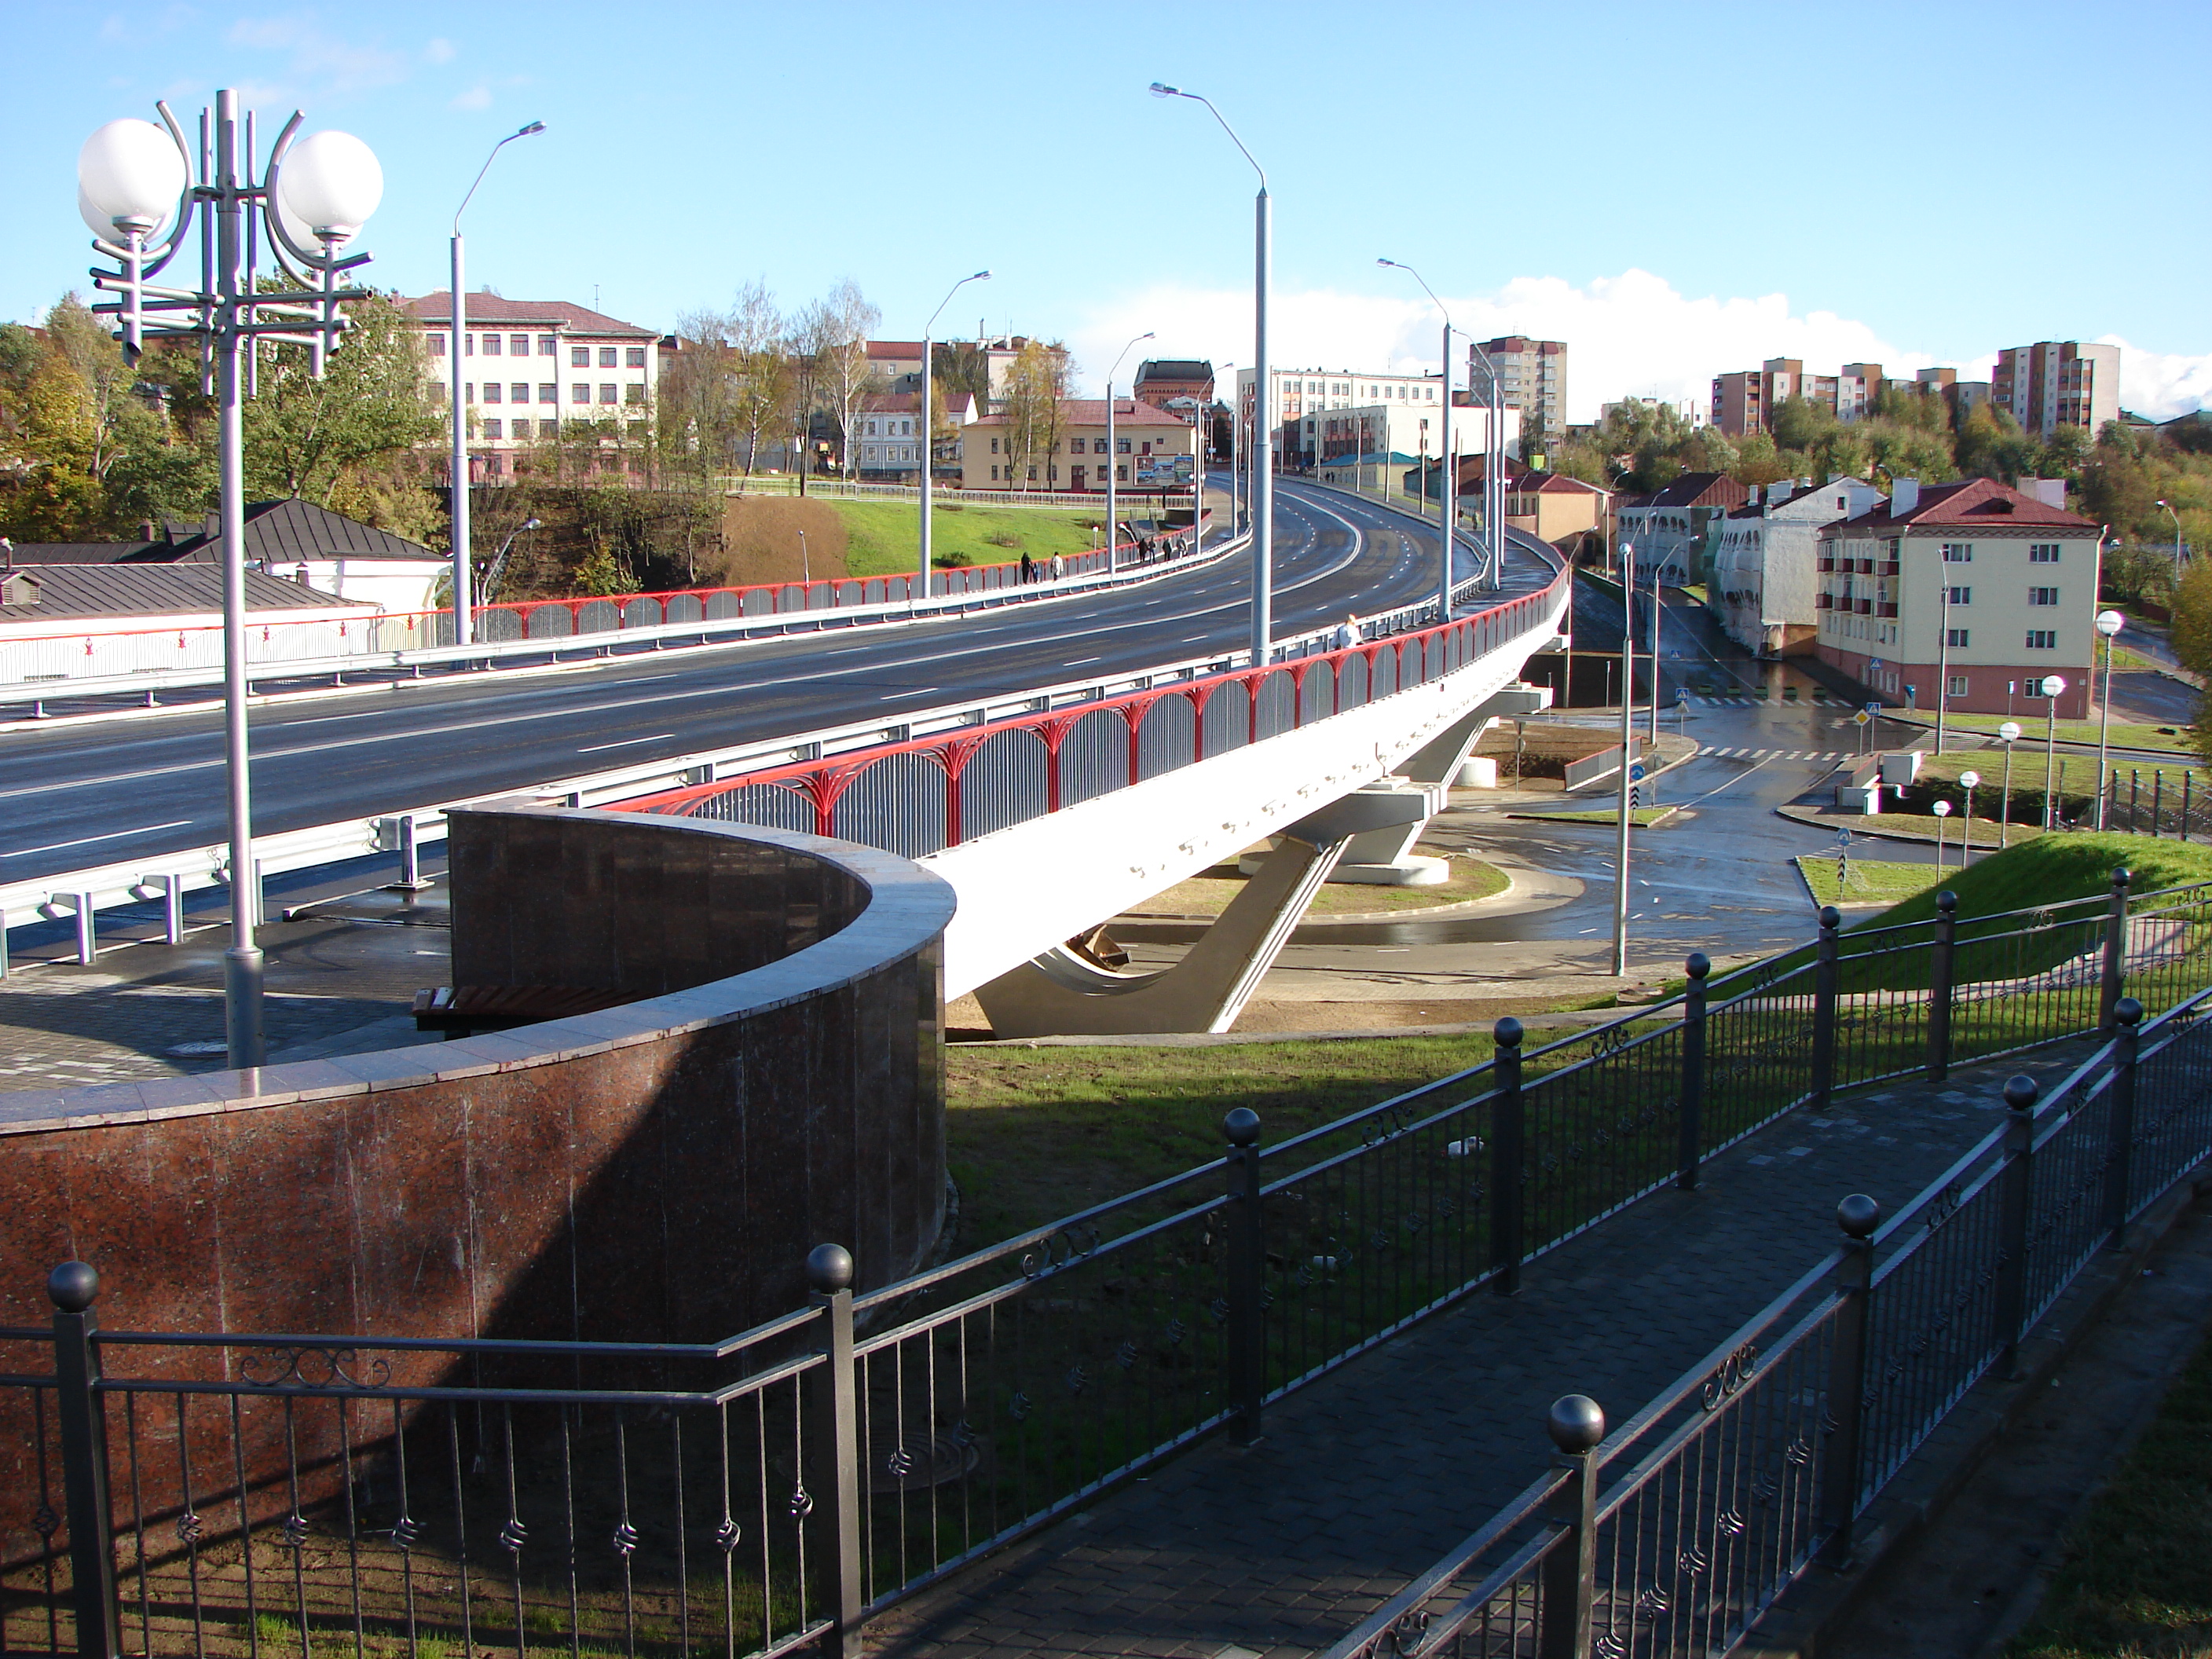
1770, 702
1780, 754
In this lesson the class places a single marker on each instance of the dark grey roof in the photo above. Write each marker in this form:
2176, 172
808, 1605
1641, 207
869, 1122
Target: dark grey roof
140, 590
1175, 369
79, 552
287, 531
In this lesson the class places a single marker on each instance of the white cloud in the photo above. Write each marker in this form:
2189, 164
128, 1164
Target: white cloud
320, 59
2162, 384
1630, 334
476, 97
439, 50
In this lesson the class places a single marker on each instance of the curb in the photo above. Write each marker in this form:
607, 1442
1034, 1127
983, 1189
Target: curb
1805, 1620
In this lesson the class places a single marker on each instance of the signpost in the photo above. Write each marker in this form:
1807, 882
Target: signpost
1843, 861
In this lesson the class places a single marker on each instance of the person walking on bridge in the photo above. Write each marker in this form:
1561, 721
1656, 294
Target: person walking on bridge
1029, 570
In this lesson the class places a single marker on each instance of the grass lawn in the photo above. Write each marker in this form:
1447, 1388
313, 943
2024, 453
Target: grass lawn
2034, 729
1871, 882
2137, 1575
884, 537
1642, 817
1209, 894
1915, 826
2077, 782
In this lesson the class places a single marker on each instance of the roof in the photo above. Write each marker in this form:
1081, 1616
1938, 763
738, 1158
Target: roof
1091, 411
139, 590
1174, 368
494, 309
1698, 489
894, 351
282, 532
1974, 503
78, 552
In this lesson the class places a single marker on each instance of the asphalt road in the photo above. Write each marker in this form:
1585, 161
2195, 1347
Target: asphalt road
74, 796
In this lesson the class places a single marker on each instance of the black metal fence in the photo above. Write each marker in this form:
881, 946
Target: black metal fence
233, 1495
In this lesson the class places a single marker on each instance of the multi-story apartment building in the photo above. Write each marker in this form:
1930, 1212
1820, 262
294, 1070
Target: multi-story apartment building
1668, 528
574, 365
1763, 558
1151, 449
1966, 591
1532, 377
1743, 402
2055, 383
1300, 397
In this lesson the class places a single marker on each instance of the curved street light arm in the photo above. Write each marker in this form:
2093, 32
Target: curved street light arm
520, 132
929, 328
1160, 89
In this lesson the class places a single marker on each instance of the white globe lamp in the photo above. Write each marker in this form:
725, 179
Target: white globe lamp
129, 177
331, 183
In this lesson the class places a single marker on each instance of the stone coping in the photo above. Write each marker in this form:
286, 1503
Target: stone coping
907, 907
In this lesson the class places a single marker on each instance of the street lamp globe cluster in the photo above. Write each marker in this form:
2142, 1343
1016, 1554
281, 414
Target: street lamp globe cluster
140, 189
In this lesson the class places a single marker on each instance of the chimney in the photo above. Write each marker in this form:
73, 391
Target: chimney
1903, 497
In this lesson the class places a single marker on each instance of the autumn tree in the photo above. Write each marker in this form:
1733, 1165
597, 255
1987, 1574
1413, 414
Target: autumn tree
1036, 387
304, 434
849, 379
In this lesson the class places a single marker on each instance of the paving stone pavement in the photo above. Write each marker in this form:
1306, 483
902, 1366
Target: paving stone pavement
1363, 1478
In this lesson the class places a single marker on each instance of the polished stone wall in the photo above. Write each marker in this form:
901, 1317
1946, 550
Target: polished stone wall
654, 1172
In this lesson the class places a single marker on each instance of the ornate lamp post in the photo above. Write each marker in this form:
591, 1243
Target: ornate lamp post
2109, 623
1967, 780
929, 437
1263, 457
2053, 687
2008, 734
311, 199
1942, 810
1447, 472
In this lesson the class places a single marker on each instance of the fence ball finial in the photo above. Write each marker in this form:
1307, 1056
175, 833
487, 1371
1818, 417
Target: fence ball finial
1858, 1215
1577, 1423
1241, 1127
73, 1285
1831, 917
1699, 964
2021, 1092
2120, 877
2128, 1011
1507, 1032
829, 1269
1947, 902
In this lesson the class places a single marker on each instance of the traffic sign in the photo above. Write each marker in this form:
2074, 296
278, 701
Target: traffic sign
1862, 718
1874, 708
1842, 838
1635, 773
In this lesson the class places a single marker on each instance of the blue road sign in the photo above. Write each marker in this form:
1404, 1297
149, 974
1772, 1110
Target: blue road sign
1635, 773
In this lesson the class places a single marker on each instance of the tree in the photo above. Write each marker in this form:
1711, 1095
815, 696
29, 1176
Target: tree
760, 362
1798, 423
849, 379
1036, 382
373, 402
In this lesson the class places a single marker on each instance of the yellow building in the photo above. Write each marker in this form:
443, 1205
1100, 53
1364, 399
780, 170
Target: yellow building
1148, 447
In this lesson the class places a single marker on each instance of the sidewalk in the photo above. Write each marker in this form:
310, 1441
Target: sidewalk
1364, 1477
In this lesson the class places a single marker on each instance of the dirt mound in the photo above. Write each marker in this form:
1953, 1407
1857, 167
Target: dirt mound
761, 536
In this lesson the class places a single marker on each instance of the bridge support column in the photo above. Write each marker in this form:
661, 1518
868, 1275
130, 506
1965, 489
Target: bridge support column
1061, 993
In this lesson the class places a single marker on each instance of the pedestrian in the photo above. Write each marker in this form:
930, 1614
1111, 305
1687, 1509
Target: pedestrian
1347, 633
1029, 570
1059, 567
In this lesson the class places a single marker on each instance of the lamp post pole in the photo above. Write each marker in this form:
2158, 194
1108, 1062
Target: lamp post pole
2054, 687
464, 611
1114, 453
1968, 780
2109, 623
2175, 517
1448, 484
928, 437
1943, 660
1627, 760
1263, 460
2009, 733
133, 179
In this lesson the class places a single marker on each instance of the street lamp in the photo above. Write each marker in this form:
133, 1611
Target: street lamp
2008, 734
806, 564
133, 180
1967, 780
1447, 472
928, 438
1628, 758
498, 571
1942, 809
2053, 687
1113, 451
2109, 623
2175, 517
464, 615
1943, 659
1493, 468
1263, 460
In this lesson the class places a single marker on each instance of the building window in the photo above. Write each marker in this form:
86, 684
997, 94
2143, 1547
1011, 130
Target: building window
1957, 683
438, 349
606, 391
491, 430
1122, 447
1958, 553
468, 345
1952, 595
995, 450
1033, 480
1098, 447
549, 345
994, 478
607, 356
582, 394
491, 396
634, 357
579, 356
519, 429
518, 392
634, 393
2043, 552
468, 391
1955, 638
437, 392
491, 345
518, 346
547, 393
2043, 638
2043, 596
1121, 475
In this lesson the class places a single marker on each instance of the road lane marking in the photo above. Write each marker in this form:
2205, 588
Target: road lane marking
594, 748
86, 841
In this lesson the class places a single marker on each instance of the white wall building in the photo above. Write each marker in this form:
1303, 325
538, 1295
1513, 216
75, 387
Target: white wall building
1766, 578
1301, 398
528, 365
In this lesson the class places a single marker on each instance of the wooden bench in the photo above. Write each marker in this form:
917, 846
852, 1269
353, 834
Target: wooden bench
461, 1011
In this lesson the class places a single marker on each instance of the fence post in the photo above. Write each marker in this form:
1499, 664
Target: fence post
1691, 1147
2120, 1120
834, 1447
2014, 1204
1507, 1128
1568, 1584
83, 1423
1825, 975
1940, 975
1247, 1331
1841, 1461
2116, 950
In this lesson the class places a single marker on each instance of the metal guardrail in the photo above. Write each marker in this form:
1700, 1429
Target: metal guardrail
407, 642
780, 1487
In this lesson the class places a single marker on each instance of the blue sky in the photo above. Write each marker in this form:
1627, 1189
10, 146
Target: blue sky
1674, 189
